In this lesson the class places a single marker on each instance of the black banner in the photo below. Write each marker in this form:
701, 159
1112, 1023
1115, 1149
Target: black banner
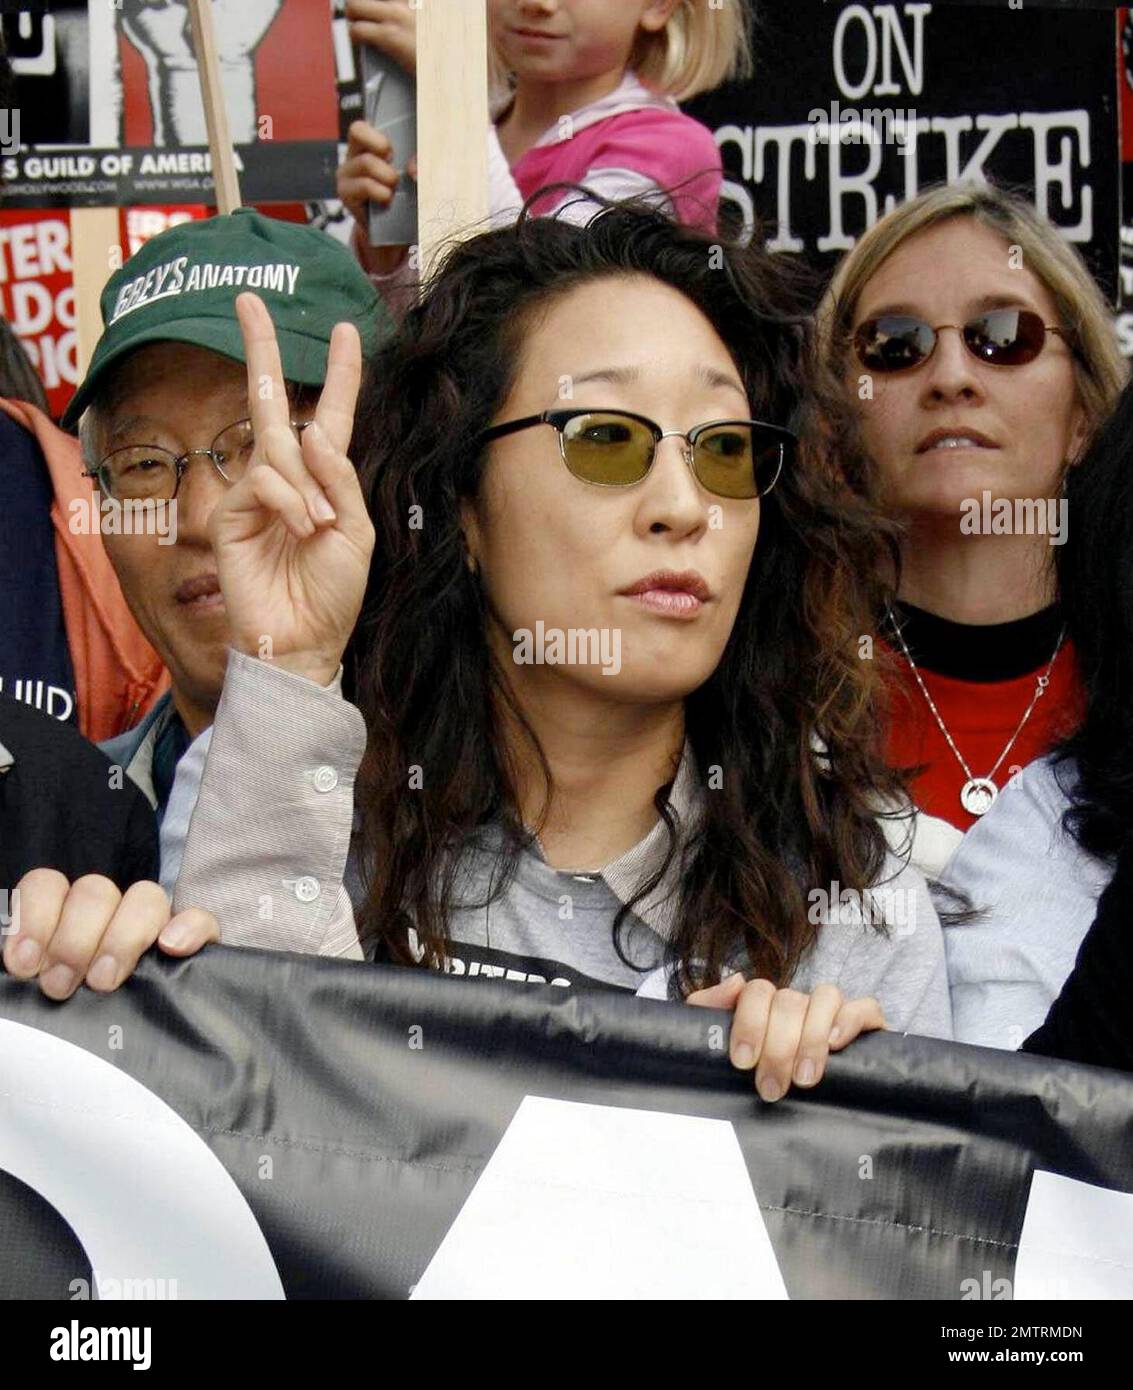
857, 107
355, 1109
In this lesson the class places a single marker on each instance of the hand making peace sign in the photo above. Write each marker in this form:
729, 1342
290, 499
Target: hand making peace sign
292, 537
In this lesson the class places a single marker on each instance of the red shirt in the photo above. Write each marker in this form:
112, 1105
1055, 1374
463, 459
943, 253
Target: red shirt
981, 716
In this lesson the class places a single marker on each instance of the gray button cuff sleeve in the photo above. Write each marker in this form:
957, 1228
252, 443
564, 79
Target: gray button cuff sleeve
269, 838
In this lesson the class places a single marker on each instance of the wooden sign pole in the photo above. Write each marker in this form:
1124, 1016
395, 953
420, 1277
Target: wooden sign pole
452, 123
216, 115
95, 253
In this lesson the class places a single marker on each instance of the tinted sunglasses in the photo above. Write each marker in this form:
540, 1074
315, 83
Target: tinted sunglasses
615, 448
1001, 338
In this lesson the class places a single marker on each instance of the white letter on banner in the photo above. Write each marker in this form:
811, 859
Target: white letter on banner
996, 127
1047, 173
950, 127
891, 31
843, 185
70, 1131
864, 18
783, 137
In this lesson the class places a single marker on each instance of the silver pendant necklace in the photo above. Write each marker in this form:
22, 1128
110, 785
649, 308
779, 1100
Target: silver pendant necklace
978, 794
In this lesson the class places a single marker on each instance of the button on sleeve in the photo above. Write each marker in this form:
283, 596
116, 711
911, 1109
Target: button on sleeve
307, 889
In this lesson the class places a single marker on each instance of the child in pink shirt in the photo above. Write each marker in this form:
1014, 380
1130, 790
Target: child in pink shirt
630, 142
587, 93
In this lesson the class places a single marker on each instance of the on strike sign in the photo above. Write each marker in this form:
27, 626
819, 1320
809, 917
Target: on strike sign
37, 296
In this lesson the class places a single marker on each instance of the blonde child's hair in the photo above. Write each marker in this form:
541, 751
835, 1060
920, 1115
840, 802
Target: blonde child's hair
702, 46
705, 43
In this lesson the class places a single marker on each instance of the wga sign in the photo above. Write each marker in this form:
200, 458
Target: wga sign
9, 131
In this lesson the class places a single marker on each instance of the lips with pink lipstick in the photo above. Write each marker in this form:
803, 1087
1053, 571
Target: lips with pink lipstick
948, 439
200, 594
671, 593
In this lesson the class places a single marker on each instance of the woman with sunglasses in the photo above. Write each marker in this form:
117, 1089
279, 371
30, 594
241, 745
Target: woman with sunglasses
979, 357
616, 730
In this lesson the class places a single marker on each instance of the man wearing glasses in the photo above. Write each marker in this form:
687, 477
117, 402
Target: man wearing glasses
163, 418
164, 426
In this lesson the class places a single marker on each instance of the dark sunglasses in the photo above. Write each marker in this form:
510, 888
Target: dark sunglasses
615, 448
1001, 338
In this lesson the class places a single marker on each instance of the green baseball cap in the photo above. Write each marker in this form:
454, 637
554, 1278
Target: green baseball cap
181, 286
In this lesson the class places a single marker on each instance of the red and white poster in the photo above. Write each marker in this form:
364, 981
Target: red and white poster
37, 297
111, 111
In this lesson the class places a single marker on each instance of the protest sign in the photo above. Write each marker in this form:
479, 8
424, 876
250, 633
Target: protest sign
856, 107
130, 128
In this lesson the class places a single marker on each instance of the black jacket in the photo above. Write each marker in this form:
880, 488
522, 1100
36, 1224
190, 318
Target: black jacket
61, 806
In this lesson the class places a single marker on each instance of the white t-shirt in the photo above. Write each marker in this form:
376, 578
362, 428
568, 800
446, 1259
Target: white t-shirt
1036, 891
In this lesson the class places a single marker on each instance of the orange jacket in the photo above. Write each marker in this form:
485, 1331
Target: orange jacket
118, 675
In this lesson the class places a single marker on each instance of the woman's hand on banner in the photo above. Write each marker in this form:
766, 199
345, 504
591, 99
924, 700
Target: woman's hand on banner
784, 1034
292, 537
65, 933
387, 25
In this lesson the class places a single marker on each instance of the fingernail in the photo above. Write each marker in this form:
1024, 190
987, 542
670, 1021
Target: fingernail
770, 1089
178, 935
58, 982
805, 1073
25, 955
322, 508
744, 1056
835, 1034
103, 974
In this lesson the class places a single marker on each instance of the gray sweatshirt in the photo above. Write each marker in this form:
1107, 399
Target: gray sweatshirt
1035, 892
268, 851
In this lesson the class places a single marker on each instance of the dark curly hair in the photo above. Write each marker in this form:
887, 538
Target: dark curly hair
788, 715
1095, 582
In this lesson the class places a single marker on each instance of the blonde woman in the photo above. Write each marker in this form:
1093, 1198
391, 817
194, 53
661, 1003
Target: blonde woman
976, 356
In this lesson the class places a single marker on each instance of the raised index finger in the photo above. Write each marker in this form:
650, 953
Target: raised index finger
267, 393
335, 411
